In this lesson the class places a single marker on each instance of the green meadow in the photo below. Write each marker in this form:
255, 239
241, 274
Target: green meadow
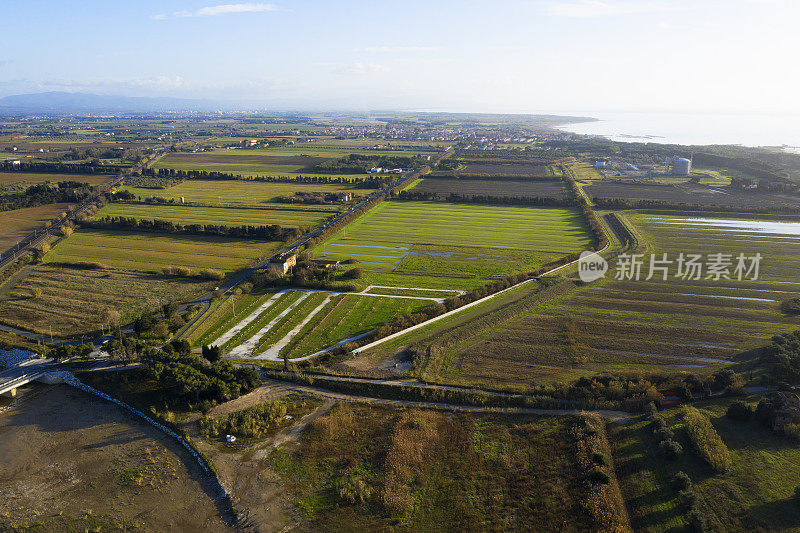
225, 216
152, 252
242, 192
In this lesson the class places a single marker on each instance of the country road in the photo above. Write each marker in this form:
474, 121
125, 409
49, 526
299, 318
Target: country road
610, 415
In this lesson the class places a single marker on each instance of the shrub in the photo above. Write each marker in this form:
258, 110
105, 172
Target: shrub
739, 410
161, 330
354, 273
211, 274
664, 434
599, 459
792, 431
659, 422
791, 306
697, 522
797, 494
598, 477
44, 248
706, 440
765, 412
66, 231
212, 353
669, 449
688, 498
254, 422
178, 271
681, 480
36, 293
651, 410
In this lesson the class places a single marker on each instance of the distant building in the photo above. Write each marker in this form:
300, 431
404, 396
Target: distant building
15, 162
375, 170
345, 196
282, 264
681, 167
600, 164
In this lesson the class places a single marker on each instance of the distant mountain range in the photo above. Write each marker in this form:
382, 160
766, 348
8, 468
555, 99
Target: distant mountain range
67, 103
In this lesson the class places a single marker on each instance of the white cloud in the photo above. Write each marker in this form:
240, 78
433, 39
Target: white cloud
222, 9
361, 69
598, 8
4, 62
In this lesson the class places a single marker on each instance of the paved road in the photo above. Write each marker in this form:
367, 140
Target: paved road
19, 375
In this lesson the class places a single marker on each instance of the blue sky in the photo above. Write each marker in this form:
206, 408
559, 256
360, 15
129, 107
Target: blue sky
505, 56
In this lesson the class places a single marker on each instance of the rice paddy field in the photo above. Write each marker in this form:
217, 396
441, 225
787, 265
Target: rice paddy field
17, 223
624, 325
447, 245
152, 252
225, 216
243, 192
74, 301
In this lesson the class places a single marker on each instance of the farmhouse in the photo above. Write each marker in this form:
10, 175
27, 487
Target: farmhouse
282, 264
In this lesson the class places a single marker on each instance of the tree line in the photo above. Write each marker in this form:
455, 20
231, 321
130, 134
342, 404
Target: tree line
362, 163
414, 195
626, 203
455, 175
60, 168
45, 193
272, 232
173, 176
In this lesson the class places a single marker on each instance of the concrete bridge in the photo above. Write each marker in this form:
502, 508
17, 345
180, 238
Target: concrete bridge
16, 376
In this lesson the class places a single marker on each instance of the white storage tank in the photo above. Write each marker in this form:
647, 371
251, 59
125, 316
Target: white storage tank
681, 167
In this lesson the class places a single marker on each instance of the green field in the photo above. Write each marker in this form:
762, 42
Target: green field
151, 252
446, 245
628, 325
26, 179
342, 316
75, 301
225, 216
255, 162
756, 495
17, 223
220, 317
242, 192
347, 316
